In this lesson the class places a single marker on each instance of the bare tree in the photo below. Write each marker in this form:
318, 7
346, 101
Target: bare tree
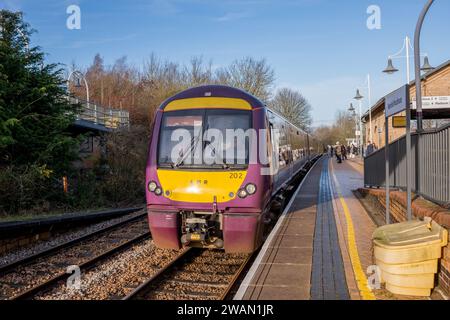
253, 76
141, 90
293, 106
198, 73
343, 128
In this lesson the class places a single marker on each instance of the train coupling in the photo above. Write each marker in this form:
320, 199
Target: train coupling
192, 237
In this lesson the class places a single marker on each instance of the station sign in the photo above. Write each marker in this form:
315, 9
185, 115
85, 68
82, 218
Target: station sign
397, 101
431, 103
399, 121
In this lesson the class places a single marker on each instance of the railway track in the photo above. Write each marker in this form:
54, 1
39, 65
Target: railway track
24, 278
120, 262
194, 274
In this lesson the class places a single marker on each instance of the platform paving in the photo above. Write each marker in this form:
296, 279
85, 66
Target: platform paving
285, 270
328, 275
309, 255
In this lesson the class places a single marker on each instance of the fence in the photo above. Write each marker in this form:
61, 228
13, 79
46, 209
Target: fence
108, 117
433, 159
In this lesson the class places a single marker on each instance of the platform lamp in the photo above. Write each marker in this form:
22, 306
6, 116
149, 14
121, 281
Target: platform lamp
390, 69
359, 98
352, 110
80, 76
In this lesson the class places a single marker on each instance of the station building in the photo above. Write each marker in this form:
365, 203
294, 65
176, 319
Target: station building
435, 85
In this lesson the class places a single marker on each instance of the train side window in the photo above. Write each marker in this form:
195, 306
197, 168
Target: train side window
269, 140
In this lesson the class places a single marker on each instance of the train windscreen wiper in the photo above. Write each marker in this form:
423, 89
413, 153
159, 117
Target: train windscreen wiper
192, 147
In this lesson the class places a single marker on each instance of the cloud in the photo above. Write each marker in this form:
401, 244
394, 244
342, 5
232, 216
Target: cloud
230, 16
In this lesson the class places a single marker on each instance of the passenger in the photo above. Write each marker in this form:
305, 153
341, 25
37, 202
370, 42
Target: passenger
354, 150
338, 152
369, 149
344, 152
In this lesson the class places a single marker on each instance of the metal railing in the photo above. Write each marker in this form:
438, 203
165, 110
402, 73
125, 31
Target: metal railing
434, 161
107, 117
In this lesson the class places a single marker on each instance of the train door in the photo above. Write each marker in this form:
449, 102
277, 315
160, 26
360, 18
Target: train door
290, 142
274, 144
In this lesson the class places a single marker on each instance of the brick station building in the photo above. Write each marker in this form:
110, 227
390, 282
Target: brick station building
434, 83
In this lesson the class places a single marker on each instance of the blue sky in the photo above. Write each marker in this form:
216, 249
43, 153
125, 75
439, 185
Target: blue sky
321, 47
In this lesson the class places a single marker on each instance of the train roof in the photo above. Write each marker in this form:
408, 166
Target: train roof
215, 91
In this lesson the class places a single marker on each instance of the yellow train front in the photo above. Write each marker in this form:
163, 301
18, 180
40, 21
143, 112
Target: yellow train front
218, 157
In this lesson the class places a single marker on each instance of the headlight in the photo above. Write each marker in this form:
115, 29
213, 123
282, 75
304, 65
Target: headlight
242, 193
250, 188
152, 186
158, 191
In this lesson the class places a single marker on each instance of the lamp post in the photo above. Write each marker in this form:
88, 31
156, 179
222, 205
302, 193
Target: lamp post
390, 69
367, 86
417, 70
79, 76
359, 98
352, 110
369, 91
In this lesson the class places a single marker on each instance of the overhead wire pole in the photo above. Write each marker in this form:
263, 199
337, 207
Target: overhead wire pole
419, 115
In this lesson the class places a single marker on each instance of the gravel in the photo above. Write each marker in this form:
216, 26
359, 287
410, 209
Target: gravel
116, 277
58, 239
45, 268
204, 277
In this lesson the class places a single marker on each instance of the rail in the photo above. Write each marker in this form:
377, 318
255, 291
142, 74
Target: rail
108, 117
434, 161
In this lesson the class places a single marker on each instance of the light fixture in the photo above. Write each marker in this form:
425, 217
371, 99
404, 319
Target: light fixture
250, 188
152, 186
426, 65
158, 191
242, 193
358, 95
390, 69
78, 83
351, 109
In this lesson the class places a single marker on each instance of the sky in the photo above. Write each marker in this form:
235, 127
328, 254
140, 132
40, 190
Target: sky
323, 48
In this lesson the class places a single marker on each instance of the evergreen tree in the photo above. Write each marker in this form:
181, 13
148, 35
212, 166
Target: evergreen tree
34, 110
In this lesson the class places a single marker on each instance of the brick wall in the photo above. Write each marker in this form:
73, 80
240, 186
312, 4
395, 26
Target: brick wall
420, 208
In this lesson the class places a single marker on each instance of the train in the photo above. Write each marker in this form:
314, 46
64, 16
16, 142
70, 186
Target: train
218, 160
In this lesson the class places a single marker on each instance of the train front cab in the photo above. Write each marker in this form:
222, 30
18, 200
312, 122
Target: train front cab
203, 205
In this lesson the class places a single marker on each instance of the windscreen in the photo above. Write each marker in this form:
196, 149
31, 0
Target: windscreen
204, 138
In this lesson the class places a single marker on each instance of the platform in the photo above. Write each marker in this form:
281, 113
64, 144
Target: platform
314, 251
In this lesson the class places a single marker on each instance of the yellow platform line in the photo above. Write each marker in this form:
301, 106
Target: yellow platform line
361, 279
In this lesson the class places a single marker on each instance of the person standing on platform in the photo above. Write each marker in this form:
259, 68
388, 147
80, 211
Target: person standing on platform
344, 152
369, 149
338, 152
